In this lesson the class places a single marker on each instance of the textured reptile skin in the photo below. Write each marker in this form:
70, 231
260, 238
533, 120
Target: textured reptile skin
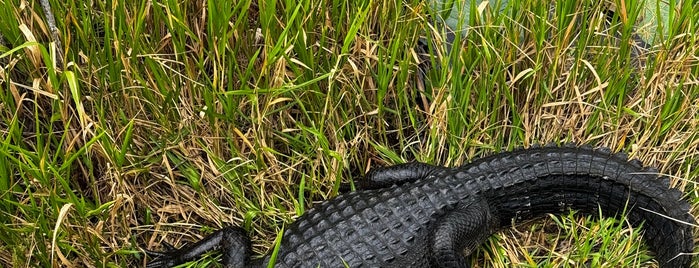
417, 215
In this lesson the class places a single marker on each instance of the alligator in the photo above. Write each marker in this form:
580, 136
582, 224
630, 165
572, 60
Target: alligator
420, 215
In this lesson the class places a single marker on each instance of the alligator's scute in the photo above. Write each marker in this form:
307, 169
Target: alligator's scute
418, 215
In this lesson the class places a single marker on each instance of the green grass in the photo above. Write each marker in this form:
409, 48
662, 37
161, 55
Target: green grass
162, 121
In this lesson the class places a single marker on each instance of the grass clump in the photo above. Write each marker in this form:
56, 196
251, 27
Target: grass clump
161, 121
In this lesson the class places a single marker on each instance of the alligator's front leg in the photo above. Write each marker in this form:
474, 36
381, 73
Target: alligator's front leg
394, 175
233, 242
465, 227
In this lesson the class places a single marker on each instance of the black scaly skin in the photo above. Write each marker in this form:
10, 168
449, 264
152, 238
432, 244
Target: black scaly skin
417, 215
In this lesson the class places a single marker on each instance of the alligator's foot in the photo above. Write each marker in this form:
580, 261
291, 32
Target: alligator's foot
162, 258
232, 241
394, 175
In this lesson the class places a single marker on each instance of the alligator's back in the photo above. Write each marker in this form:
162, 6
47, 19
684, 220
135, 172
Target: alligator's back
371, 228
394, 226
417, 215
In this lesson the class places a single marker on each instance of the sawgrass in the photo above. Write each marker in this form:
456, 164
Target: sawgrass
163, 121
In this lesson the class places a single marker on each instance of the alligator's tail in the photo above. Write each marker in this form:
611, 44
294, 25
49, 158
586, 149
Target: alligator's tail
530, 183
